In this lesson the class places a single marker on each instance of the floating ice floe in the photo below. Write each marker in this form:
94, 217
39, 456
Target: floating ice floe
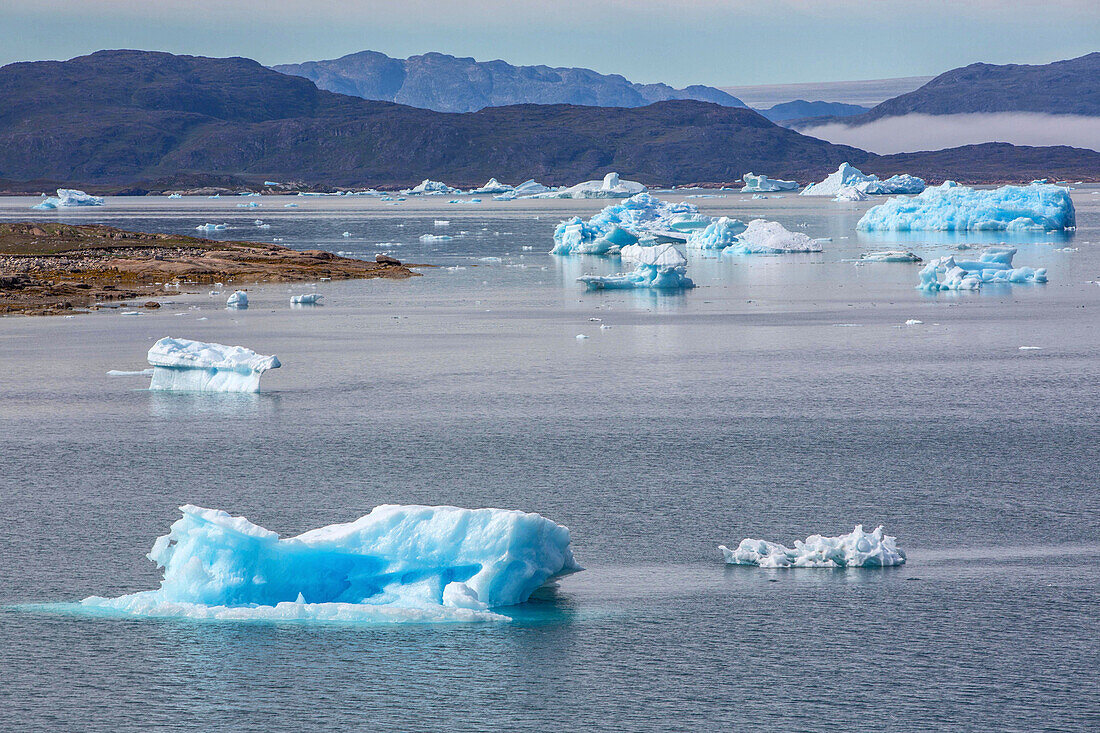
492, 186
763, 184
717, 235
175, 195
435, 237
68, 197
428, 186
611, 187
850, 193
308, 299
239, 299
952, 207
212, 227
992, 266
855, 550
623, 223
194, 366
770, 237
249, 205
847, 175
660, 267
395, 564
891, 255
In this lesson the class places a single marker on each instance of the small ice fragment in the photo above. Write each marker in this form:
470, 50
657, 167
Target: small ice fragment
855, 550
913, 322
581, 337
309, 299
122, 373
239, 299
1030, 348
442, 223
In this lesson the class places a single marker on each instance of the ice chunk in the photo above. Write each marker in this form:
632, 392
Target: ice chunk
992, 266
770, 237
855, 550
889, 256
845, 175
850, 193
717, 235
195, 366
123, 373
952, 207
175, 195
660, 255
763, 184
239, 299
435, 237
902, 183
620, 224
212, 227
430, 187
611, 187
492, 186
397, 563
68, 197
660, 267
308, 299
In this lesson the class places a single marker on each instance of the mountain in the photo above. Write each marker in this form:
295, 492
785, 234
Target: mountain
148, 119
800, 108
451, 84
1060, 88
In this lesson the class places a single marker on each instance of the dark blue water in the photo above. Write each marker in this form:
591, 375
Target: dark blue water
784, 397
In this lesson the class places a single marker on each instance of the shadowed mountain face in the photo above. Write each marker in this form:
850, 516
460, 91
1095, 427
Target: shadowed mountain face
800, 108
1060, 88
450, 84
124, 117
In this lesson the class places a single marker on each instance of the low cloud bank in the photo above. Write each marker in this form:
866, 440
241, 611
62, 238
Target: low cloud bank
916, 132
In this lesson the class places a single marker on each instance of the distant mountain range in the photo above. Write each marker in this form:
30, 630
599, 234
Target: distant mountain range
150, 120
800, 109
450, 84
1069, 87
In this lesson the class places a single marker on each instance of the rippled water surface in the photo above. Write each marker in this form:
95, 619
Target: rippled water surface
783, 397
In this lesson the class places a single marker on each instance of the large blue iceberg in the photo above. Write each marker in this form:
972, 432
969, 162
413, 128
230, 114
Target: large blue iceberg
183, 365
717, 235
992, 266
855, 550
69, 197
397, 563
623, 223
658, 267
951, 207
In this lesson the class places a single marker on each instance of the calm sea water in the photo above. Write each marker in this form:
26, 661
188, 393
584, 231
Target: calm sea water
781, 398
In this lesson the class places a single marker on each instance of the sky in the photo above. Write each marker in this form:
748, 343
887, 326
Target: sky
715, 42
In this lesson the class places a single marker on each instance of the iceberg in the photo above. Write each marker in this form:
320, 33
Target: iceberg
992, 266
763, 184
430, 187
530, 187
395, 564
239, 299
770, 237
68, 197
891, 255
850, 193
492, 186
855, 550
611, 187
308, 299
951, 207
660, 267
212, 227
620, 224
718, 234
903, 183
194, 366
845, 175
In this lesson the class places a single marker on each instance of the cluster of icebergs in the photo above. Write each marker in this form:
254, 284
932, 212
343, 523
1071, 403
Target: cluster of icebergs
395, 564
951, 207
611, 186
855, 550
992, 266
68, 197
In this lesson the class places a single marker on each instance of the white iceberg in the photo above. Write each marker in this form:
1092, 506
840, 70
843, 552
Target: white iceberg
847, 175
435, 237
492, 186
951, 207
891, 255
195, 366
717, 235
308, 299
992, 266
430, 187
902, 183
530, 187
611, 187
212, 227
850, 193
763, 184
68, 197
855, 550
770, 237
395, 564
239, 299
660, 267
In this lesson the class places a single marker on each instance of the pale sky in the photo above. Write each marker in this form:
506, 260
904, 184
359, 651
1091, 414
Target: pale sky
716, 42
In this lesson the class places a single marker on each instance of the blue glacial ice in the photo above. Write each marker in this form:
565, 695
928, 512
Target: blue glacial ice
183, 365
770, 237
611, 187
658, 267
69, 197
239, 300
992, 266
395, 564
763, 184
430, 187
855, 550
719, 234
623, 223
847, 175
951, 207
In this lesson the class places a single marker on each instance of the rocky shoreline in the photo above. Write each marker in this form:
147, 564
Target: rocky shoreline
52, 269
